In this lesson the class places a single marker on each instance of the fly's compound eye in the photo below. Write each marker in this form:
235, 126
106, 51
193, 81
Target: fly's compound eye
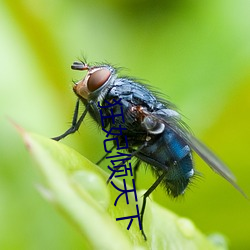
97, 79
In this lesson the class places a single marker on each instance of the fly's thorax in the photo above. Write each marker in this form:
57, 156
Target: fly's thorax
95, 84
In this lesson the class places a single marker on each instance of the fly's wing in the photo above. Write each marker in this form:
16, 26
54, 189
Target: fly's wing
175, 124
212, 160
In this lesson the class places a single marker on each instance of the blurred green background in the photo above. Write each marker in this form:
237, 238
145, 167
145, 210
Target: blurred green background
196, 52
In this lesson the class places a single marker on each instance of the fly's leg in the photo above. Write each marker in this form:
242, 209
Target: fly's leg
135, 170
148, 192
145, 196
136, 166
105, 156
75, 123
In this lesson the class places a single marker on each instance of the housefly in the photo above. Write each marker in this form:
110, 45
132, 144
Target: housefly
156, 134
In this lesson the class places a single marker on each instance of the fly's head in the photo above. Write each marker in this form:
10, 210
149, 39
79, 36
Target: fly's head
96, 79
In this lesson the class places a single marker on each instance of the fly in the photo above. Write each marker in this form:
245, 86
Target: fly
156, 134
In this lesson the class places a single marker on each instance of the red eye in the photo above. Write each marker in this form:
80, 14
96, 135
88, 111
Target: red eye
97, 79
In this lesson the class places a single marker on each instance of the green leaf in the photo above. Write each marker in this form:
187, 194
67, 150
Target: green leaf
78, 189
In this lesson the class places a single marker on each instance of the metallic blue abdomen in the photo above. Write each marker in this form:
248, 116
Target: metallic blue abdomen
171, 155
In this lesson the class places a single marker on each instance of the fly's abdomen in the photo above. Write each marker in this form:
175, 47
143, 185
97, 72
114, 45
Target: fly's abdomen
180, 165
178, 176
170, 155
